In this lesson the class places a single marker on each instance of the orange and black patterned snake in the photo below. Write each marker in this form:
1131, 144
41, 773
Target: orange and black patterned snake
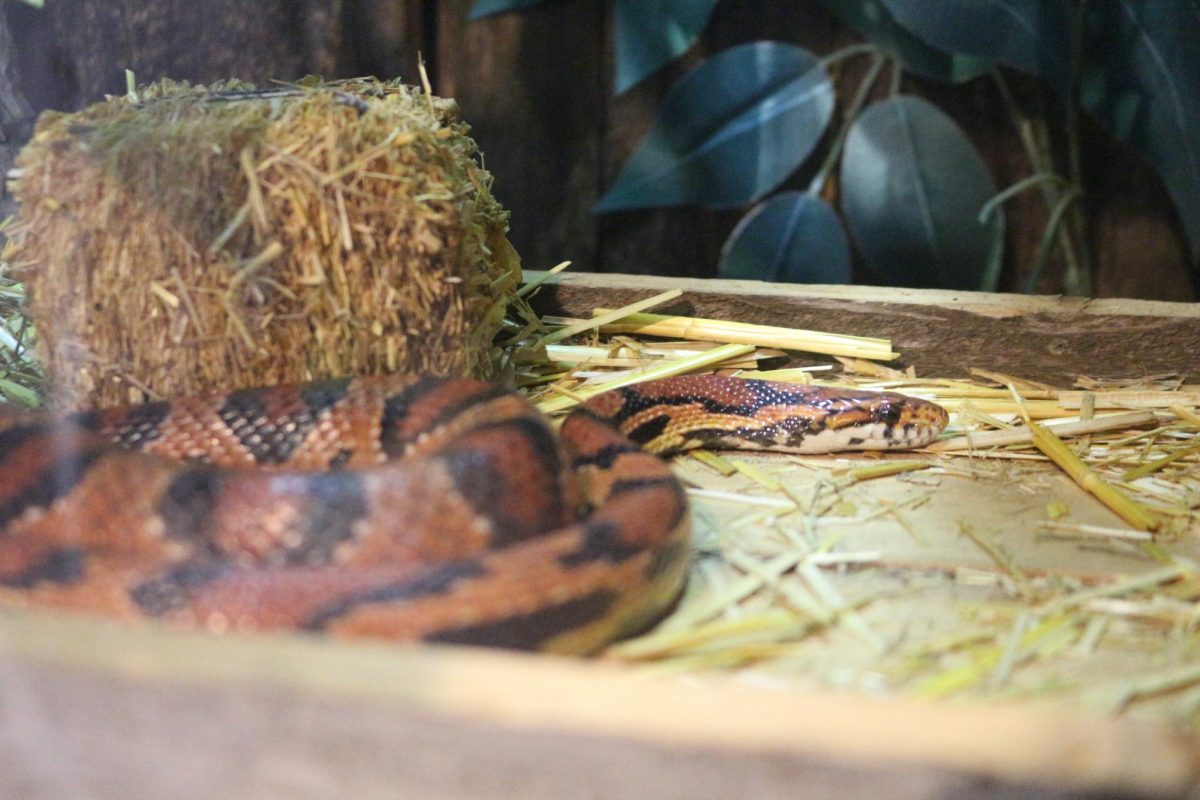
400, 507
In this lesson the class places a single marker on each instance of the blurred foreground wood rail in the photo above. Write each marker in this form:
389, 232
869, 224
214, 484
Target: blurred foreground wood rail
95, 709
98, 710
941, 333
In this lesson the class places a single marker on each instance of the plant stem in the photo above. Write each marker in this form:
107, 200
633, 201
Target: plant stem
1053, 227
1032, 135
897, 75
1077, 281
990, 206
856, 104
849, 51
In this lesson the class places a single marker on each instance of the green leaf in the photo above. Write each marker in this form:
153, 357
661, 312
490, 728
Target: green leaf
792, 237
872, 19
486, 8
14, 392
912, 190
729, 131
1033, 36
1142, 81
649, 33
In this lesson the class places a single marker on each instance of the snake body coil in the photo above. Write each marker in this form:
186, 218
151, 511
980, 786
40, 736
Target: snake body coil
399, 507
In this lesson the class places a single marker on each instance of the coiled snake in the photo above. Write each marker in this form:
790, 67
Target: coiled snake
400, 507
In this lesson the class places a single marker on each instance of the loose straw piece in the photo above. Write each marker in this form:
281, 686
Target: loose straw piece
1028, 388
1185, 414
714, 461
591, 357
1124, 586
998, 554
673, 367
712, 330
1094, 530
1153, 466
1156, 684
741, 498
757, 475
162, 294
256, 262
610, 315
1057, 451
869, 369
787, 375
1130, 399
1038, 409
538, 281
884, 470
952, 388
978, 441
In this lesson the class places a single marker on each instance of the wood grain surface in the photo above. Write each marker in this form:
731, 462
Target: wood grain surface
940, 333
95, 710
530, 85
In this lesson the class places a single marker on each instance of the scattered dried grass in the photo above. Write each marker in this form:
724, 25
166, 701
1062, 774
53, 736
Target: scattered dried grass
800, 576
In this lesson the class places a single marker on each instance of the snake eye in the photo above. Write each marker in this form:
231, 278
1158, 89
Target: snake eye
889, 413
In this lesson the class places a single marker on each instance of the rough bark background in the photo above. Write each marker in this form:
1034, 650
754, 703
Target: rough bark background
537, 87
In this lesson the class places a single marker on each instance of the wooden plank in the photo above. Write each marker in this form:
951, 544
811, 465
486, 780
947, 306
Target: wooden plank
384, 38
942, 333
72, 54
95, 709
16, 116
529, 84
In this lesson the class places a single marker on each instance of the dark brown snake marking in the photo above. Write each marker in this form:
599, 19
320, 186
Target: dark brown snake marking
399, 507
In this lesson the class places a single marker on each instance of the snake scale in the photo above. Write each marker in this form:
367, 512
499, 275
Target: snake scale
404, 507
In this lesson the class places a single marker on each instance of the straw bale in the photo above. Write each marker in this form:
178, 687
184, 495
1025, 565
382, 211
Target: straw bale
193, 238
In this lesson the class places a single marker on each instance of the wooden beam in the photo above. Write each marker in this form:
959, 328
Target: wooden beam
942, 333
384, 38
100, 709
529, 84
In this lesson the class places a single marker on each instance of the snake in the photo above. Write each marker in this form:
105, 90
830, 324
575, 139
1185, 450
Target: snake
401, 507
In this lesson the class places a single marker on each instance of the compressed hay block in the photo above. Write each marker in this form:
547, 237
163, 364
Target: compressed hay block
195, 238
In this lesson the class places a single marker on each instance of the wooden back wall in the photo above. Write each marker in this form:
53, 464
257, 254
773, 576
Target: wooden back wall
537, 87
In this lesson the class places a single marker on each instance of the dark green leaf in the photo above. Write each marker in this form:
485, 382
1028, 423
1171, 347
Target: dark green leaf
729, 131
649, 33
872, 20
1142, 80
486, 8
792, 237
912, 188
1033, 36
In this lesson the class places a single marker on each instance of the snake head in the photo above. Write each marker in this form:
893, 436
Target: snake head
905, 421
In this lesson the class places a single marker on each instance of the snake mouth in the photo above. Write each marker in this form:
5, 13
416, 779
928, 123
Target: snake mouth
917, 434
900, 421
876, 436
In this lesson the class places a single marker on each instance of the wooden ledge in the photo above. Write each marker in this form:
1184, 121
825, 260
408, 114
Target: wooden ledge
941, 333
991, 303
91, 704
